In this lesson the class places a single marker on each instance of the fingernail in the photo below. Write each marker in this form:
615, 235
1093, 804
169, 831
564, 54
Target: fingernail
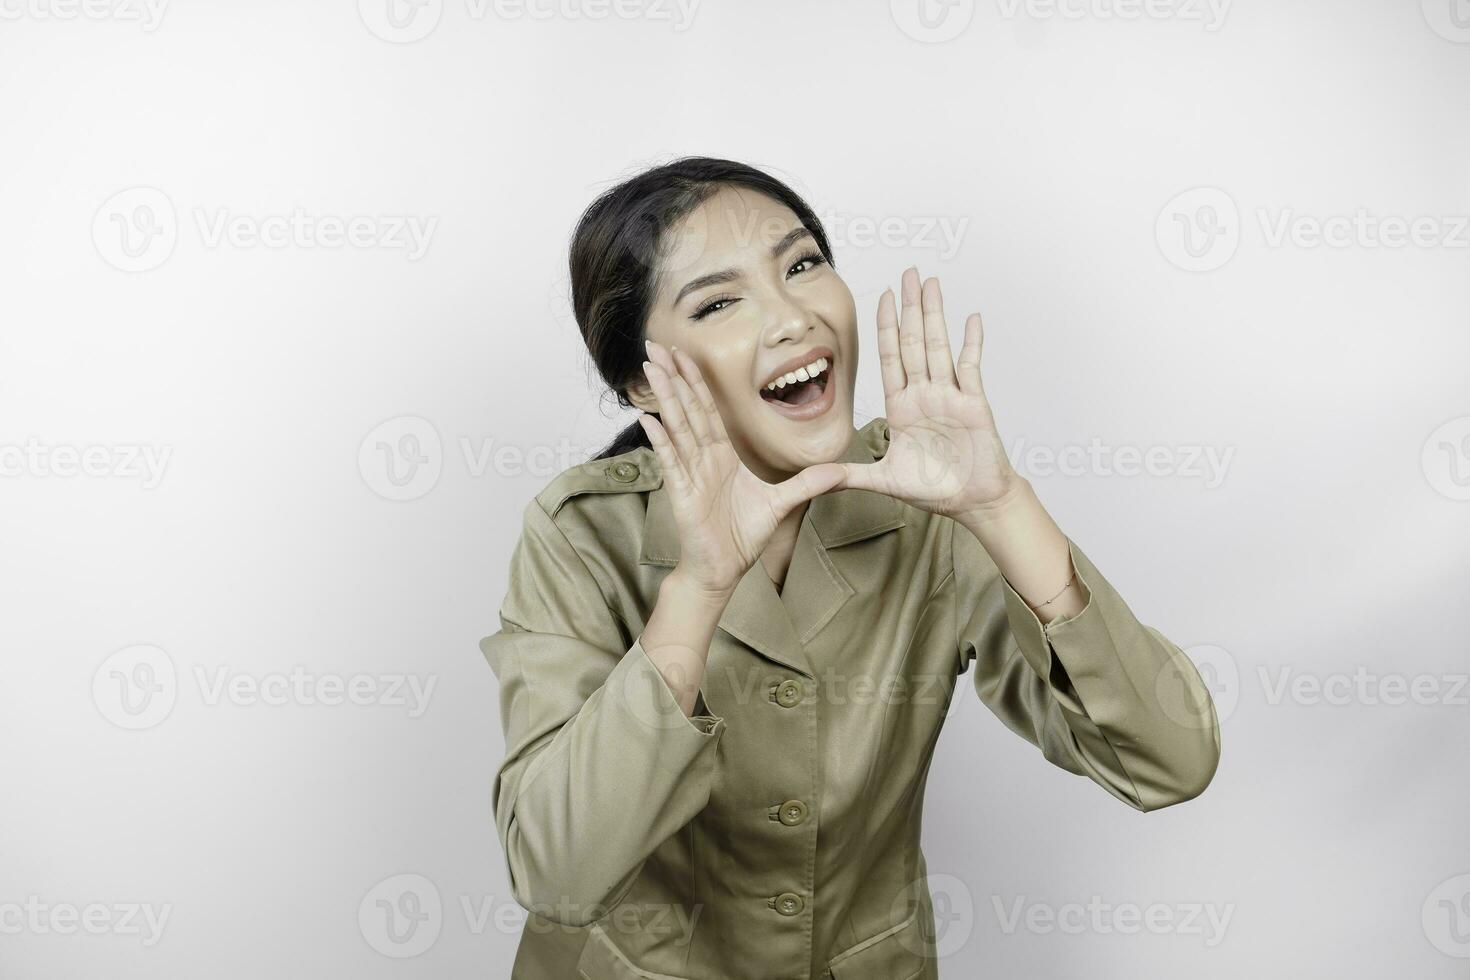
648, 346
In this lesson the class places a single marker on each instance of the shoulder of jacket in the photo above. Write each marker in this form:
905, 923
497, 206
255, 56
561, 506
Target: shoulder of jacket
874, 435
635, 471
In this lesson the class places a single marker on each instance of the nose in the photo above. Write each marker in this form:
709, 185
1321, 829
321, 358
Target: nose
788, 323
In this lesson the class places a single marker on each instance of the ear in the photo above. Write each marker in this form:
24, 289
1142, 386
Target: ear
642, 396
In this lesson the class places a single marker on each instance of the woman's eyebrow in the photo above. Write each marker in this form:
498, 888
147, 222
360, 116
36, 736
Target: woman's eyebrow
727, 275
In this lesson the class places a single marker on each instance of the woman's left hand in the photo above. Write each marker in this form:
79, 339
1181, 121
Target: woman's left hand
944, 454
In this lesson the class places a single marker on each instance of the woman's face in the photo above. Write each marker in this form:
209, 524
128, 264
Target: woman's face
743, 289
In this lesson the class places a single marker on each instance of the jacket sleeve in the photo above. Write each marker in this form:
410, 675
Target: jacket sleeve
601, 764
1101, 694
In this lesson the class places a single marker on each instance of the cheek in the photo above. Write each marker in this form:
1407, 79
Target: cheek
727, 375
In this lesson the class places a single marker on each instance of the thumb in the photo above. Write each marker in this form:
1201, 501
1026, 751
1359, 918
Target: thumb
810, 482
860, 476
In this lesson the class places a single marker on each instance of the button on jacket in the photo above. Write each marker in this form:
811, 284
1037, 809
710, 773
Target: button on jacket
775, 834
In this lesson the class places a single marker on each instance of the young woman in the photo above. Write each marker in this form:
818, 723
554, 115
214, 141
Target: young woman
730, 641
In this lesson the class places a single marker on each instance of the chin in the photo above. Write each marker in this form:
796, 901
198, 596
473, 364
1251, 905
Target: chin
800, 445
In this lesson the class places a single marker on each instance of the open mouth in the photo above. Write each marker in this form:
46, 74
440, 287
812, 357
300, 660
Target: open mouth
803, 392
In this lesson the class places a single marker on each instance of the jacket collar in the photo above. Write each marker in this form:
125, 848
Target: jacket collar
778, 626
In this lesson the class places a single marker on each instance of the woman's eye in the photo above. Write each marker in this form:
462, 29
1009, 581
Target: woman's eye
811, 260
804, 264
713, 306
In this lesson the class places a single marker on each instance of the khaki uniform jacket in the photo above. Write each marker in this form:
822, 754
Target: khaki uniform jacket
776, 834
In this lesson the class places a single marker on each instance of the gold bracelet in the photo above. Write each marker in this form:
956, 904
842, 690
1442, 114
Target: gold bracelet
1059, 593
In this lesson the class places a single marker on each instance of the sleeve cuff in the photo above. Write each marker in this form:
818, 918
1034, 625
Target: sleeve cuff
1035, 637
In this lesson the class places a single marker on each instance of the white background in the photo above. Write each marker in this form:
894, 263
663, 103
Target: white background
1053, 143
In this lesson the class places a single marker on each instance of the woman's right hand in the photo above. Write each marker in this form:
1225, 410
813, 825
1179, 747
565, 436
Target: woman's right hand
725, 513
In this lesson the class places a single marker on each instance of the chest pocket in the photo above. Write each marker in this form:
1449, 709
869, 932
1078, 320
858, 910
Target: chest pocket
602, 960
897, 954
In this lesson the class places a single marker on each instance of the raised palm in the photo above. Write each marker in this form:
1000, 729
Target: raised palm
944, 452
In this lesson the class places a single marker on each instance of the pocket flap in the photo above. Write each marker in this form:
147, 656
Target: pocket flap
897, 954
602, 960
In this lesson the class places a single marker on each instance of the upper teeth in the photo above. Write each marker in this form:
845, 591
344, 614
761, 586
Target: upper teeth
800, 374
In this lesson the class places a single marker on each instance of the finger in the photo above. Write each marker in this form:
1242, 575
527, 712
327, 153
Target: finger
660, 355
860, 476
668, 460
694, 407
810, 482
968, 368
888, 357
668, 359
706, 399
936, 335
693, 410
911, 330
671, 412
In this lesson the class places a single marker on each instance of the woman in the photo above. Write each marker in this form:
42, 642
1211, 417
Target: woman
729, 642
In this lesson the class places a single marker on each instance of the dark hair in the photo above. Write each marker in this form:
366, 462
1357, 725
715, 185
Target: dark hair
615, 261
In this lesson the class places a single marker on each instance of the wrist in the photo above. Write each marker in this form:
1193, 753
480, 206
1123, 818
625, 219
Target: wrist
1016, 499
680, 585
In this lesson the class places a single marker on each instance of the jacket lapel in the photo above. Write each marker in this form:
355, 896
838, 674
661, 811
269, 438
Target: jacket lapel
779, 626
